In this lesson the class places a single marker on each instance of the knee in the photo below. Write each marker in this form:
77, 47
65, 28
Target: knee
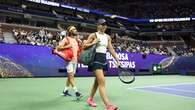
71, 76
101, 82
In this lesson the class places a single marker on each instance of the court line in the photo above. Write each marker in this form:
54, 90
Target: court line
175, 84
162, 93
176, 89
141, 89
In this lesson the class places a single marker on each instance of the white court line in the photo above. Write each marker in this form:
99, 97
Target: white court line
162, 85
179, 90
158, 92
162, 93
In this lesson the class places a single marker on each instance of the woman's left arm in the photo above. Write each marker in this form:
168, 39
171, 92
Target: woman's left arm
112, 51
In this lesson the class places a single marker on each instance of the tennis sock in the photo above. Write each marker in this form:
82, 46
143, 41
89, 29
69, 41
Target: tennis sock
66, 88
75, 89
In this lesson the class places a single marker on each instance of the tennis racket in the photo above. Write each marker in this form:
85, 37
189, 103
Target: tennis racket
165, 63
125, 75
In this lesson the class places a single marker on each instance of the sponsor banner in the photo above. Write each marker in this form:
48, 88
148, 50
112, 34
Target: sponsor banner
36, 61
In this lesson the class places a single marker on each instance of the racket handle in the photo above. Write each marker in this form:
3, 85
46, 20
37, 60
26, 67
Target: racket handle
119, 66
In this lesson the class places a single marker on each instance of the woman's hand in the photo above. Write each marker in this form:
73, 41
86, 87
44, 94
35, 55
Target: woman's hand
90, 41
118, 64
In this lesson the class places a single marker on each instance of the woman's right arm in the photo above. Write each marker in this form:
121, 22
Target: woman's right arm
90, 41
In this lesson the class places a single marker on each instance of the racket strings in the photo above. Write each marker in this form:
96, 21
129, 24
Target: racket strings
126, 76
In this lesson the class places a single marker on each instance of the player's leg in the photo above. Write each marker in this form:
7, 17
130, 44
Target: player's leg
73, 82
90, 100
69, 80
101, 84
94, 88
67, 83
66, 89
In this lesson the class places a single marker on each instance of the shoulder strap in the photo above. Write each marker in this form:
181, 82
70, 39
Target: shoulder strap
95, 35
96, 43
